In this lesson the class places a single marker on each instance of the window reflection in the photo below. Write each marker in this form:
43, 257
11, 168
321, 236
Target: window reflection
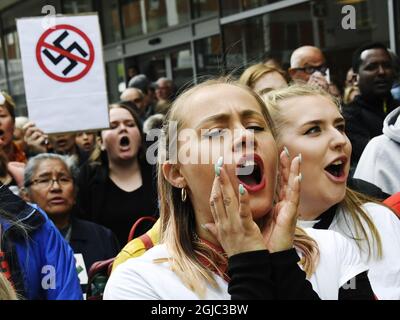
229, 7
182, 67
110, 21
202, 8
76, 6
147, 16
14, 65
3, 83
317, 23
208, 56
115, 80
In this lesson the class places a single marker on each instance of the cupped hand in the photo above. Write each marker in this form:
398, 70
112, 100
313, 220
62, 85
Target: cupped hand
233, 225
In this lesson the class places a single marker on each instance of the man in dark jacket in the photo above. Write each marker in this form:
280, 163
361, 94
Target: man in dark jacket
364, 116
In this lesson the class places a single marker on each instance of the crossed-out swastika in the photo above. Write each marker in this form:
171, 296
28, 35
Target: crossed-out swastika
74, 53
60, 57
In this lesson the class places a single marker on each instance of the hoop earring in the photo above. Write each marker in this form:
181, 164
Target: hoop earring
183, 194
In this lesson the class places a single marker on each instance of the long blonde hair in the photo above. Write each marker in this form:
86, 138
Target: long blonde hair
353, 201
255, 72
178, 229
7, 292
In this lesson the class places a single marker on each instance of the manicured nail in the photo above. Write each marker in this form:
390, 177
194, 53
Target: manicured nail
203, 226
286, 151
217, 170
220, 161
300, 176
300, 158
241, 189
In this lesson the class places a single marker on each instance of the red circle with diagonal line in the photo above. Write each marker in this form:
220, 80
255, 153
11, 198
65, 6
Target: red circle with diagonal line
42, 43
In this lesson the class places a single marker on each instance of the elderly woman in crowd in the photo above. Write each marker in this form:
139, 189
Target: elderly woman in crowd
49, 181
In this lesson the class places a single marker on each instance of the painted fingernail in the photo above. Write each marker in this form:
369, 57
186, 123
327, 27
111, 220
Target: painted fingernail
286, 151
241, 189
217, 170
220, 161
300, 158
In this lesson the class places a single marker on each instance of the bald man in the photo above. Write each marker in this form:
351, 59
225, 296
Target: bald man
308, 65
136, 96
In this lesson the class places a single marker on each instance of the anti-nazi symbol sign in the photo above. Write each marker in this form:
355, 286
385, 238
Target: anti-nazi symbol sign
65, 53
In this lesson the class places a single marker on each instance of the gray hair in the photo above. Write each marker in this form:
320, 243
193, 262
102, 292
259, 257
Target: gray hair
70, 163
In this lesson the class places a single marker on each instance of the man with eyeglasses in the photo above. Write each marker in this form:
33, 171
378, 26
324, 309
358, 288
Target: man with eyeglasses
308, 65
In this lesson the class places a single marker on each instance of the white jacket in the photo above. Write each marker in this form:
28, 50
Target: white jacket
380, 161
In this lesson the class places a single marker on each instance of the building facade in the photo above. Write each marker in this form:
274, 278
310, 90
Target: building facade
188, 40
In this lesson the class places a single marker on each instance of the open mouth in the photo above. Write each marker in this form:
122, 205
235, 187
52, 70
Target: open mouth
336, 168
124, 142
1, 132
61, 143
250, 172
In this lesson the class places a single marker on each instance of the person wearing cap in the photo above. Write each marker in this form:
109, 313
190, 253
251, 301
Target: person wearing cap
7, 123
142, 83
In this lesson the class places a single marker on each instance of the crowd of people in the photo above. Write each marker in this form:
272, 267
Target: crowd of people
301, 202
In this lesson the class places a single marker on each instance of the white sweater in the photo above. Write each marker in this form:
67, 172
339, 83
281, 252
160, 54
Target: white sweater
380, 161
143, 279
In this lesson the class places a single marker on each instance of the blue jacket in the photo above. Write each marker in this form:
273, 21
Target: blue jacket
42, 264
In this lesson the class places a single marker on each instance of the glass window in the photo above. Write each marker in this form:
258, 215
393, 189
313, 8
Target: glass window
147, 16
3, 81
229, 7
115, 80
153, 65
182, 66
208, 56
25, 9
76, 6
14, 66
202, 8
132, 13
278, 33
165, 13
110, 22
396, 15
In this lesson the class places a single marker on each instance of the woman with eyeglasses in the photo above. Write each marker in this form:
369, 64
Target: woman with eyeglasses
49, 181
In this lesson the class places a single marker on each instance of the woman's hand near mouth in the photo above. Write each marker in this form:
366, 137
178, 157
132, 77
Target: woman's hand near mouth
280, 226
233, 225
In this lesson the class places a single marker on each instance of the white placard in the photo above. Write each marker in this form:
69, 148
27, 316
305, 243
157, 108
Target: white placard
81, 268
64, 73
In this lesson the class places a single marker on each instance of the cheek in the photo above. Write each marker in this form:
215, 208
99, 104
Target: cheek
137, 141
9, 127
199, 179
38, 197
70, 193
109, 140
